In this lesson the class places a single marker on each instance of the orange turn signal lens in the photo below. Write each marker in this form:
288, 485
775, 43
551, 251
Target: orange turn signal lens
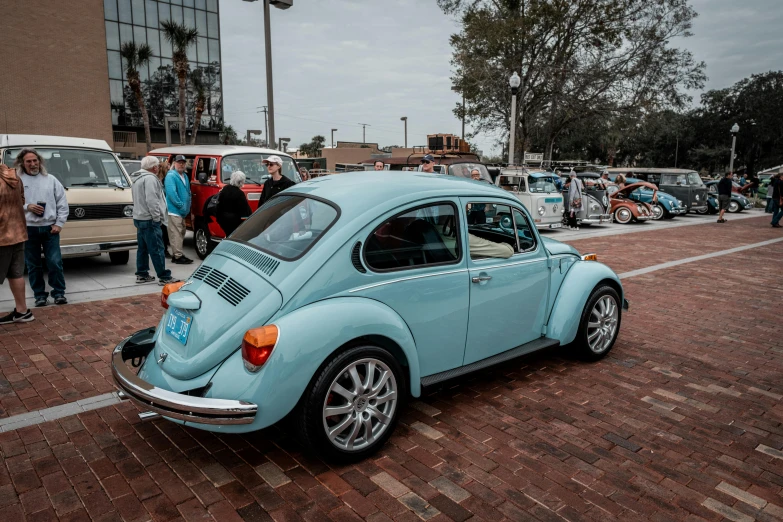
167, 291
590, 257
257, 346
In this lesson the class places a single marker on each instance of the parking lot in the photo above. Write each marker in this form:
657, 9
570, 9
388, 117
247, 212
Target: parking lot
682, 421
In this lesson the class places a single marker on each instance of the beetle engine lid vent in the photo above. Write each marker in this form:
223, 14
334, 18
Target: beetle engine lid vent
227, 287
233, 292
356, 258
215, 278
264, 263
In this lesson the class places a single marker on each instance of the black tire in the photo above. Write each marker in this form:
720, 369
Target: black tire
582, 341
202, 240
119, 258
309, 417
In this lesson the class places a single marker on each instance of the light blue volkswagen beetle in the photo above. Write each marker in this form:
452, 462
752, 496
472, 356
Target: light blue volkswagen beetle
344, 295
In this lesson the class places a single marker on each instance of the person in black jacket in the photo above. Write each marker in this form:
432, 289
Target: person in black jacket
232, 204
776, 186
725, 186
277, 183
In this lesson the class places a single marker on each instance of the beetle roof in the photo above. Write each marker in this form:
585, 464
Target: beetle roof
357, 192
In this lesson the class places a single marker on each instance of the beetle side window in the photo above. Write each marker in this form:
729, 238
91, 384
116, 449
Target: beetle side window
527, 241
494, 224
420, 237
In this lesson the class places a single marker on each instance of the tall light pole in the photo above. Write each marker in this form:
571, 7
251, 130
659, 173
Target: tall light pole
405, 120
270, 99
333, 131
513, 82
734, 131
283, 143
249, 132
364, 128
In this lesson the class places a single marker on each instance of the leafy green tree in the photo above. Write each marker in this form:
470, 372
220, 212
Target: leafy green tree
199, 89
313, 149
181, 37
136, 56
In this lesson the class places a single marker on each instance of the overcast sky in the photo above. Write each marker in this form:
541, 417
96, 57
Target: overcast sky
338, 63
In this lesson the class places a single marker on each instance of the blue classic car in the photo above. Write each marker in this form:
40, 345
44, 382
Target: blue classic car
667, 207
344, 295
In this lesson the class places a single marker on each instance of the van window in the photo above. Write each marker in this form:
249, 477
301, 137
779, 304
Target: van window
463, 170
694, 179
674, 179
208, 166
254, 169
78, 167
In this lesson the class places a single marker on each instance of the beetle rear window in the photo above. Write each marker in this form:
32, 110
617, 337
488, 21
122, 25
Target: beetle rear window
287, 226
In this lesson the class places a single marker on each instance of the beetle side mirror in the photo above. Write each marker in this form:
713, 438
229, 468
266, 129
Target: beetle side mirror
202, 177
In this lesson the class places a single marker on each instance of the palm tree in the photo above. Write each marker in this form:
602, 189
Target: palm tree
201, 100
136, 56
181, 37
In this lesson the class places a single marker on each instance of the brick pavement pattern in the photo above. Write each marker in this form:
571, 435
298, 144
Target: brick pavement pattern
682, 421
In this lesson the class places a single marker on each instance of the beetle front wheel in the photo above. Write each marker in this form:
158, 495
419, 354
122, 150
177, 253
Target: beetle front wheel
352, 406
623, 215
600, 323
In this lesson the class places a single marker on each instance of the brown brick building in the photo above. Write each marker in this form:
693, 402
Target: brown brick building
63, 75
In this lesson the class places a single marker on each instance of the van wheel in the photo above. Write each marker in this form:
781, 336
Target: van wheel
203, 240
352, 405
600, 323
119, 258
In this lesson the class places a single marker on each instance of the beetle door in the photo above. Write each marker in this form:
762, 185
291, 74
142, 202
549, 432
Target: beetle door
508, 295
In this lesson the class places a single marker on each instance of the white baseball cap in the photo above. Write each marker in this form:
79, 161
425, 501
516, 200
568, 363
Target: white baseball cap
274, 159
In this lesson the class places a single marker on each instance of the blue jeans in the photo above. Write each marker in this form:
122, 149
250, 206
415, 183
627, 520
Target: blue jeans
150, 239
777, 211
768, 208
42, 238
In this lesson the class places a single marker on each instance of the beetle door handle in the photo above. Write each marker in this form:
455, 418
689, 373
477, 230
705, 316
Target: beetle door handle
479, 279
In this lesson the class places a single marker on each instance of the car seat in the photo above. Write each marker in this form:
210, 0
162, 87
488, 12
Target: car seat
424, 233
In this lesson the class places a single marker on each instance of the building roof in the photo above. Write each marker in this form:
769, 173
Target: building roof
39, 140
650, 170
216, 150
358, 192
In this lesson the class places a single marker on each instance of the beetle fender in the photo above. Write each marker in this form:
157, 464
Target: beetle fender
577, 286
308, 337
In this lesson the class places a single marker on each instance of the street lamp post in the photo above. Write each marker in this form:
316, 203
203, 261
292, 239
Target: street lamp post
283, 142
405, 120
333, 131
513, 82
734, 131
280, 4
249, 132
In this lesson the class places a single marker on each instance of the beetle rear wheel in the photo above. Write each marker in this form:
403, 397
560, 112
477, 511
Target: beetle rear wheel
734, 207
600, 323
623, 215
353, 403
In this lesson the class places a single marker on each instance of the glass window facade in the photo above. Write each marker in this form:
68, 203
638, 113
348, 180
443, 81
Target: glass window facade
139, 21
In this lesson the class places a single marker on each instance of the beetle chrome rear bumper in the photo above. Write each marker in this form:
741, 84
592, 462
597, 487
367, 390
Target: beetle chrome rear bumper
178, 406
596, 219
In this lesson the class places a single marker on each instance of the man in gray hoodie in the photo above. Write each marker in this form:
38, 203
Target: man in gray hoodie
149, 213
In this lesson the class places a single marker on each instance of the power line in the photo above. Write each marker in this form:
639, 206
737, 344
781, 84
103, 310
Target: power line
364, 131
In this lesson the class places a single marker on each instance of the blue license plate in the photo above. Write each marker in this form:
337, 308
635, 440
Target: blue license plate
178, 325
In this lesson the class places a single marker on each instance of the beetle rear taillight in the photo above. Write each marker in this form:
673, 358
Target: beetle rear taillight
167, 291
257, 346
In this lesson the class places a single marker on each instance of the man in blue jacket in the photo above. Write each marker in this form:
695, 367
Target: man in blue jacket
177, 186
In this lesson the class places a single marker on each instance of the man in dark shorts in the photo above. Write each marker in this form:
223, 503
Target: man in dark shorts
13, 235
724, 195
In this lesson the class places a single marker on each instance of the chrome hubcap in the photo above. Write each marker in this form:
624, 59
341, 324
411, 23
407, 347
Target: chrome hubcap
733, 206
623, 215
360, 404
602, 324
657, 212
201, 241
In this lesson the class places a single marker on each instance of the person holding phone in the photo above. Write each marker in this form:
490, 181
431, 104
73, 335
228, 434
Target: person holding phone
45, 219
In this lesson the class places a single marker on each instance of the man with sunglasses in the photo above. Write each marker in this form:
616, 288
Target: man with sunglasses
428, 164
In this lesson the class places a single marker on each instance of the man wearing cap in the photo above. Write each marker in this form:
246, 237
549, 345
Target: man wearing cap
178, 206
428, 164
277, 183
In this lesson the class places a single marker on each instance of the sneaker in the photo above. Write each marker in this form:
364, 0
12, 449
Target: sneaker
777, 226
144, 279
60, 300
166, 280
16, 317
41, 301
182, 260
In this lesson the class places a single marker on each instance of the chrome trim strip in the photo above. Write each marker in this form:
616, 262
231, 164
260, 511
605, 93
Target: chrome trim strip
526, 262
90, 248
421, 276
175, 405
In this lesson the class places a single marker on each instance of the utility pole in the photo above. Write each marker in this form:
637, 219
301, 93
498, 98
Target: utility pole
266, 122
333, 131
463, 115
405, 119
364, 127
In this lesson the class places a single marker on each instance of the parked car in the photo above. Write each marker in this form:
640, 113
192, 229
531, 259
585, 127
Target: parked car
338, 318
738, 202
666, 207
537, 192
131, 166
100, 217
595, 209
683, 184
627, 209
209, 169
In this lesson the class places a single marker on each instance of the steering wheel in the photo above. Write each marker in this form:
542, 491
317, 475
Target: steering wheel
506, 223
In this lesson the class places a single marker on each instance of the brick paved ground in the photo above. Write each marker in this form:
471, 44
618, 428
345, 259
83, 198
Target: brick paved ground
683, 421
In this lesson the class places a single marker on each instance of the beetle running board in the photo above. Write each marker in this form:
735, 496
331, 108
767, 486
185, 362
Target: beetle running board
532, 346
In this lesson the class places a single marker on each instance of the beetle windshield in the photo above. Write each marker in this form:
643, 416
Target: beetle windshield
254, 169
287, 226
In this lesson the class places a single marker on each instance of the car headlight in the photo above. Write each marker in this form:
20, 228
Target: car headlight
541, 211
640, 208
127, 210
679, 202
595, 208
697, 197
